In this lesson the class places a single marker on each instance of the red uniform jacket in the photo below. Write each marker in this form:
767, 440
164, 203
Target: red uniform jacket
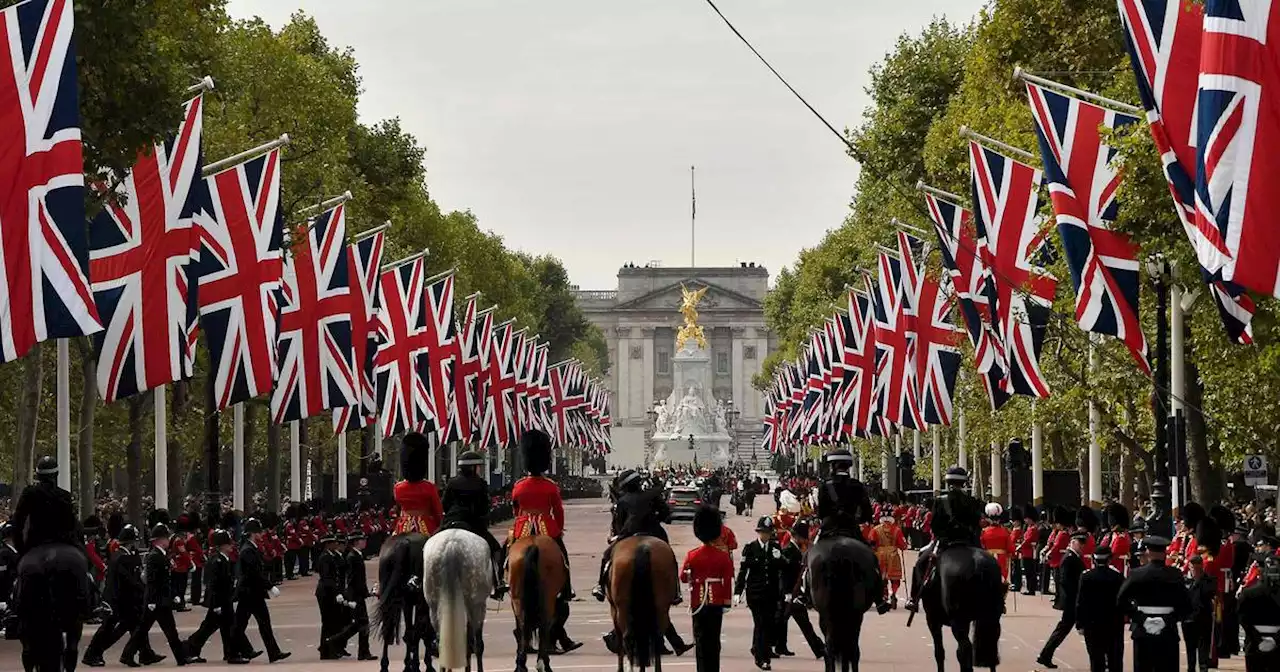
1086, 550
1225, 559
343, 526
99, 567
727, 541
538, 507
305, 535
1120, 546
1058, 541
927, 526
420, 509
179, 558
709, 573
196, 550
1030, 537
292, 539
999, 542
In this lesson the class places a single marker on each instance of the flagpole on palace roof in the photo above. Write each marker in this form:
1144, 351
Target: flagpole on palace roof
237, 159
205, 84
970, 134
937, 192
1023, 75
325, 204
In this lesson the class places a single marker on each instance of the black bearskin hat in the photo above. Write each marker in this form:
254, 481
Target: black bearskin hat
1223, 516
535, 445
1062, 516
230, 519
92, 523
115, 523
1209, 536
706, 524
184, 523
270, 519
342, 506
414, 452
1087, 518
1014, 513
158, 516
291, 511
1191, 514
193, 519
1118, 515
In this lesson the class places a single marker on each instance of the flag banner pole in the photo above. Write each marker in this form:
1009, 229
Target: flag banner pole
325, 204
162, 448
937, 461
237, 457
432, 441
63, 394
453, 458
1023, 75
997, 487
907, 227
371, 232
439, 276
295, 462
1037, 458
962, 460
205, 84
920, 185
970, 134
407, 260
1095, 425
230, 161
342, 465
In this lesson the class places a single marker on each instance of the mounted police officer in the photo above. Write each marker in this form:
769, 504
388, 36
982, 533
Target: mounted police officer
1259, 610
843, 504
466, 506
1156, 600
957, 521
637, 512
45, 513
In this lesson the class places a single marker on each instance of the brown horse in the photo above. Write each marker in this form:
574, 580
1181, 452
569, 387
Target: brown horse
536, 575
642, 581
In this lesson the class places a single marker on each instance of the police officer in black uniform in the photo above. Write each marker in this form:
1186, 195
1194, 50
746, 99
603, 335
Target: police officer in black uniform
356, 594
219, 598
252, 592
957, 521
466, 506
1064, 599
1097, 616
330, 595
843, 504
637, 512
44, 513
1259, 609
758, 577
159, 600
8, 567
124, 593
794, 603
1156, 600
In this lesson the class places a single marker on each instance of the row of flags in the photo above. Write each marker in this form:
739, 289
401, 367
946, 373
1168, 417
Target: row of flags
181, 247
889, 359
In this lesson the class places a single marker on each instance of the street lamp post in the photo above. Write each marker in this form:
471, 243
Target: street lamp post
652, 414
693, 448
731, 416
1161, 521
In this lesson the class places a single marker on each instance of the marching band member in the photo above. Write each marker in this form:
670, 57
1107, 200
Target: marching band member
417, 497
709, 572
1087, 521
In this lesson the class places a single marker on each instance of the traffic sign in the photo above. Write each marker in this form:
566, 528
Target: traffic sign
1255, 470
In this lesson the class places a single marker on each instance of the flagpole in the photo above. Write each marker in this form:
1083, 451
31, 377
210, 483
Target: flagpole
295, 463
1095, 448
162, 447
915, 445
432, 441
407, 260
1037, 458
342, 465
325, 204
64, 419
937, 461
237, 457
237, 159
370, 232
970, 134
962, 460
1020, 74
934, 191
905, 226
205, 84
693, 217
997, 487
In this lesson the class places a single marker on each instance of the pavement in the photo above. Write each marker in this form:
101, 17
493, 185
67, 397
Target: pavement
887, 644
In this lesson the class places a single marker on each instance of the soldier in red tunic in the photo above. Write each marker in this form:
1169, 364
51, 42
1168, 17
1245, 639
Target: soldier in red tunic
292, 542
418, 498
1087, 521
1117, 539
536, 499
709, 572
1025, 550
996, 539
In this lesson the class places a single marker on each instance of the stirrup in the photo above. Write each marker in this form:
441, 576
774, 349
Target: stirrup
598, 592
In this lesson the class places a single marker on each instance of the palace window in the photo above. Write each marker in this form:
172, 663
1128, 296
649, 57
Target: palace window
664, 362
722, 363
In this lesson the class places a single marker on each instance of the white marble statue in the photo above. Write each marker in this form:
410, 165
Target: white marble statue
721, 427
663, 424
690, 416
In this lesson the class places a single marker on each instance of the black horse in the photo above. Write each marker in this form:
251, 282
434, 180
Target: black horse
53, 601
844, 578
967, 593
400, 597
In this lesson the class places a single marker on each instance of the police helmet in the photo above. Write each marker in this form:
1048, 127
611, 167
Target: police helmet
471, 458
221, 538
765, 524
840, 459
252, 526
7, 531
128, 534
629, 481
956, 476
160, 531
47, 466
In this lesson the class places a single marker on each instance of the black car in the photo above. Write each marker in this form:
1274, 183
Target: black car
684, 500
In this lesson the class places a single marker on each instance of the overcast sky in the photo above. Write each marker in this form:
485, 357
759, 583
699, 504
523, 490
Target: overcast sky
568, 126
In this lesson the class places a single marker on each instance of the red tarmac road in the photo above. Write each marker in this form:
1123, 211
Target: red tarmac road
887, 644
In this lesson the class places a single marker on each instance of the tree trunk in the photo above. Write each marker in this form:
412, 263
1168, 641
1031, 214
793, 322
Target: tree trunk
179, 406
84, 436
1128, 476
273, 467
1057, 450
28, 415
133, 459
1198, 464
979, 484
1082, 465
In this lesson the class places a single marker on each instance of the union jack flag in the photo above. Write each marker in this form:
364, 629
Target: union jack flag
474, 341
1237, 136
520, 389
317, 360
241, 267
972, 285
564, 398
500, 414
861, 359
364, 258
1005, 196
1082, 186
399, 363
541, 389
140, 248
44, 251
769, 438
441, 352
895, 377
937, 350
1163, 39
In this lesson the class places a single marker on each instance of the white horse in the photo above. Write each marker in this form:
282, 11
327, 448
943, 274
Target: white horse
457, 579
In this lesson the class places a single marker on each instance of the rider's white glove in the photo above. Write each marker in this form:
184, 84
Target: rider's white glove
217, 611
342, 601
151, 607
4, 606
177, 600
274, 592
737, 600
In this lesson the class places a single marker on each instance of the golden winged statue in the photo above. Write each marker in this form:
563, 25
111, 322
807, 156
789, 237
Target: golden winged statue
689, 309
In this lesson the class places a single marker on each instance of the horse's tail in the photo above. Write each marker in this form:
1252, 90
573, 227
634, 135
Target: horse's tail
986, 627
393, 586
531, 593
845, 596
642, 614
451, 610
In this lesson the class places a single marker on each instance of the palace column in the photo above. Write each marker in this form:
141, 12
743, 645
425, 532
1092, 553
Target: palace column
648, 368
621, 363
762, 353
739, 371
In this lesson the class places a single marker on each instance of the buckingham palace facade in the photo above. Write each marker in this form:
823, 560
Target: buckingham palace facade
640, 319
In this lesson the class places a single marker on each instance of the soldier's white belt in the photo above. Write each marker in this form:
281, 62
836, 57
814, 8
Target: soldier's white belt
1267, 629
1156, 611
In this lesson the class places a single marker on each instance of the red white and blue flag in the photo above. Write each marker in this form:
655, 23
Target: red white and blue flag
141, 245
565, 399
1163, 38
241, 269
500, 413
441, 352
896, 390
364, 258
399, 363
473, 341
1083, 181
937, 357
317, 360
1005, 198
44, 248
